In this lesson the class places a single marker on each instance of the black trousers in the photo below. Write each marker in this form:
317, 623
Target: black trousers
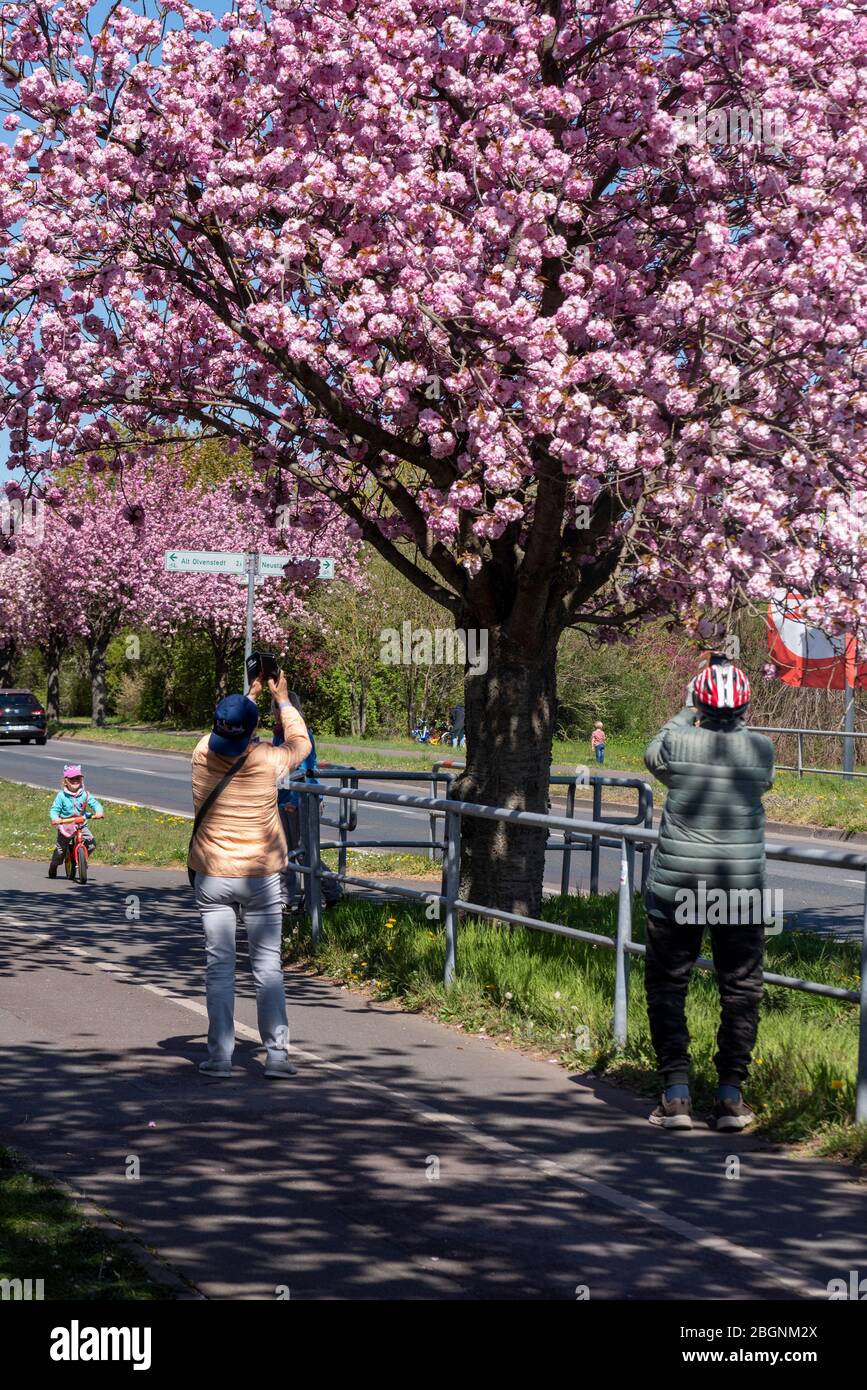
61, 843
738, 956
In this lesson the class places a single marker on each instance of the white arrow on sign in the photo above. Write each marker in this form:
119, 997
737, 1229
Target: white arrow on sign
205, 561
276, 564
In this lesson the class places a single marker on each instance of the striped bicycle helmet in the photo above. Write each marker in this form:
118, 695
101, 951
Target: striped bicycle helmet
722, 688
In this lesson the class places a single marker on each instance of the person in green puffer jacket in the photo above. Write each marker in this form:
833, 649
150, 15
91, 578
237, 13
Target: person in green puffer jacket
708, 869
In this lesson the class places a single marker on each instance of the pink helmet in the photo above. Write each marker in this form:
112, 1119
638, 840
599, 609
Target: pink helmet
72, 770
724, 688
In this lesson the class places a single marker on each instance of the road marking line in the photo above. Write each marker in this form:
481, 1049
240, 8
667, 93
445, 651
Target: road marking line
146, 772
589, 1187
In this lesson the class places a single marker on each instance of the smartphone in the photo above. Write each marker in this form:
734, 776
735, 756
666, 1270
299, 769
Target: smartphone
262, 664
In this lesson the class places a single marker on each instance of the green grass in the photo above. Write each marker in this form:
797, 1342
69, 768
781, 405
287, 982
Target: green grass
138, 837
129, 834
43, 1236
371, 863
535, 990
162, 738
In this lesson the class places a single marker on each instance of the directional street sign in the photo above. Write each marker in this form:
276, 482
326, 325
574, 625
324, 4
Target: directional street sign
205, 561
252, 568
235, 562
275, 564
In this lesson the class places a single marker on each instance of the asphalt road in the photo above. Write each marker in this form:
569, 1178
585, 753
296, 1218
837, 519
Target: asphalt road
405, 1160
813, 898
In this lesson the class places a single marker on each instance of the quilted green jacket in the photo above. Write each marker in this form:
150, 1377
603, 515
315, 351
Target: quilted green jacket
713, 823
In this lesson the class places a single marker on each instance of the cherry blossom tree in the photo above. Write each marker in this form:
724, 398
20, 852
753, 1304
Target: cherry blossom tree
496, 278
13, 597
100, 566
205, 517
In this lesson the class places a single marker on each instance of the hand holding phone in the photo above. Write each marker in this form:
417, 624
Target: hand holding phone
279, 687
262, 666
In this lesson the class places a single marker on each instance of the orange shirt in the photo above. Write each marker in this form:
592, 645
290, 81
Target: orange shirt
242, 835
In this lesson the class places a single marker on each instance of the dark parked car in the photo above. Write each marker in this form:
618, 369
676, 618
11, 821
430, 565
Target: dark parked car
22, 716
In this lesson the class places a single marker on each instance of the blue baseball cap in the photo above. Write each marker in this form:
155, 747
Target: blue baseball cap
235, 720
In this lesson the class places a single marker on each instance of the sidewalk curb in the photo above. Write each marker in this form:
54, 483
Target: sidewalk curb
151, 1262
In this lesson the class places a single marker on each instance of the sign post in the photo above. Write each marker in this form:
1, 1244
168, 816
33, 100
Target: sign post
849, 706
249, 564
252, 570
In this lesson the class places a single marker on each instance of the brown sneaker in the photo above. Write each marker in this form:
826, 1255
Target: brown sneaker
729, 1115
672, 1114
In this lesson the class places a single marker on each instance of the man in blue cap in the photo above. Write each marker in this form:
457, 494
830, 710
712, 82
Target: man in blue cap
238, 855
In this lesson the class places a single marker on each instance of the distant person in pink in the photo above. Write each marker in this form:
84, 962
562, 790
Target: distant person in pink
597, 741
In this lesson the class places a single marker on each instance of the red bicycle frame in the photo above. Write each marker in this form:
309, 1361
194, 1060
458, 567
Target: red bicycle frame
76, 853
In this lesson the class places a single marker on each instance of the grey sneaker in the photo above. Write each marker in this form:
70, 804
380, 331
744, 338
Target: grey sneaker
276, 1067
729, 1115
212, 1067
672, 1114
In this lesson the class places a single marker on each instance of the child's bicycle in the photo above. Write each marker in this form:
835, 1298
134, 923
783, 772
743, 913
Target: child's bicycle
76, 854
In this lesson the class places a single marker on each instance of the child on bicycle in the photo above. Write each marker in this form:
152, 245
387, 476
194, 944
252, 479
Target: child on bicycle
73, 806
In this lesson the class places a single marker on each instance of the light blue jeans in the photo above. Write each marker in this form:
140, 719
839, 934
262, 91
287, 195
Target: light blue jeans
216, 899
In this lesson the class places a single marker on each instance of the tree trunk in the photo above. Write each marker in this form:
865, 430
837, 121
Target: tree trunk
510, 712
353, 710
54, 650
8, 655
222, 670
96, 653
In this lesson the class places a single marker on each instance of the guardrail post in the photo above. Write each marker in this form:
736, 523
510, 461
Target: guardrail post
861, 1084
343, 826
451, 890
567, 840
621, 955
314, 881
594, 848
800, 755
434, 779
646, 850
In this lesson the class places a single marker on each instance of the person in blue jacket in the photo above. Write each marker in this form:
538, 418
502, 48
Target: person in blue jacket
289, 803
70, 803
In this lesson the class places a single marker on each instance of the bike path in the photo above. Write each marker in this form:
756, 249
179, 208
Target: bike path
404, 1161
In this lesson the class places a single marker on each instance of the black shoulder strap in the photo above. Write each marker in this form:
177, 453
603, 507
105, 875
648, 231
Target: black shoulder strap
214, 793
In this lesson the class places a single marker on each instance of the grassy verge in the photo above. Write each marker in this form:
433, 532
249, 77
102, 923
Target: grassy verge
128, 835
529, 989
372, 863
43, 1236
138, 837
155, 738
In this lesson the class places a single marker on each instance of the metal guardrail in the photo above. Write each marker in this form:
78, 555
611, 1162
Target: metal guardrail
444, 771
801, 734
629, 836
